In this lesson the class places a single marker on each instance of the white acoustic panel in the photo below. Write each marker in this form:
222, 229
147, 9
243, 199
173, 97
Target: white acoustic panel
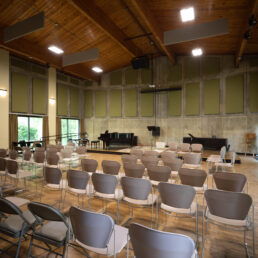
81, 57
24, 27
197, 31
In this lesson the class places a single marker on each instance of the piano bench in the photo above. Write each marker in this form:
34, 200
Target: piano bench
95, 144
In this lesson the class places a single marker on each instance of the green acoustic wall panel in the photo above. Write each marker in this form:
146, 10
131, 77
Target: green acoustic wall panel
146, 75
235, 94
100, 103
192, 68
74, 102
115, 100
20, 92
175, 73
131, 100
175, 103
88, 103
147, 104
210, 66
131, 76
39, 96
62, 96
116, 78
192, 99
253, 92
211, 96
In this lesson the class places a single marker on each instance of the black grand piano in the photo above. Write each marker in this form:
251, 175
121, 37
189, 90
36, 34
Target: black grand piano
208, 143
118, 140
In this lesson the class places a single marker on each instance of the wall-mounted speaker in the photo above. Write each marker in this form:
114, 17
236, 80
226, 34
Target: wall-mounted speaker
140, 62
155, 130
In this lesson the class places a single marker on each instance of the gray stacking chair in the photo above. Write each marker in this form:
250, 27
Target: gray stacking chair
52, 159
174, 164
89, 165
81, 151
179, 199
172, 146
134, 170
138, 192
151, 153
111, 167
105, 188
234, 182
77, 182
97, 232
3, 153
137, 153
55, 232
153, 243
159, 174
196, 147
3, 169
13, 154
149, 161
230, 210
192, 160
193, 177
225, 165
14, 223
128, 159
168, 155
185, 147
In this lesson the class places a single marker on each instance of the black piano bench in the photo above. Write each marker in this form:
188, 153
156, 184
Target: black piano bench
95, 144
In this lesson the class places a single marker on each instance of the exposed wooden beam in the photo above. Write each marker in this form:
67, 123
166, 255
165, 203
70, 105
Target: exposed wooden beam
243, 42
92, 12
141, 8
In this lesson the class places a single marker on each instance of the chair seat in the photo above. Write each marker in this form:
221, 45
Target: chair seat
231, 222
62, 185
117, 195
14, 223
221, 164
121, 235
168, 208
21, 174
87, 191
55, 230
156, 183
17, 200
214, 158
174, 173
201, 188
3, 172
192, 166
149, 200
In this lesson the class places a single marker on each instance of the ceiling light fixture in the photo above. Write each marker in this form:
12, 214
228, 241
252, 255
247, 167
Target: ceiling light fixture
3, 93
197, 52
97, 69
56, 50
187, 14
52, 101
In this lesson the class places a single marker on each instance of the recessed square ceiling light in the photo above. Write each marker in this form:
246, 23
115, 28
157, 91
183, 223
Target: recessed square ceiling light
97, 69
197, 52
187, 14
56, 50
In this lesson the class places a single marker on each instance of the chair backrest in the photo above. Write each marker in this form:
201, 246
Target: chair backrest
3, 153
46, 212
81, 150
153, 243
159, 173
134, 170
2, 164
193, 177
104, 183
69, 147
39, 156
111, 167
168, 155
91, 228
13, 154
66, 153
172, 146
185, 147
27, 155
51, 149
149, 161
59, 147
160, 145
77, 179
151, 154
174, 164
39, 149
196, 147
128, 159
89, 165
223, 152
178, 196
136, 188
192, 158
9, 207
233, 158
12, 166
52, 158
229, 205
137, 153
52, 175
234, 182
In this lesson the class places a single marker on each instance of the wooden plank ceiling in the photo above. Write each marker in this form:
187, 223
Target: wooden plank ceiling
113, 27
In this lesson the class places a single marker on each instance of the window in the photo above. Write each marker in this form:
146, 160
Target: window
70, 129
29, 128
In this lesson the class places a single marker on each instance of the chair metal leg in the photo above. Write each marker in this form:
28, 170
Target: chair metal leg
19, 242
30, 246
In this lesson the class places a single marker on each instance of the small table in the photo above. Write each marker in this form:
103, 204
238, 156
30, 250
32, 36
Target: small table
95, 144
